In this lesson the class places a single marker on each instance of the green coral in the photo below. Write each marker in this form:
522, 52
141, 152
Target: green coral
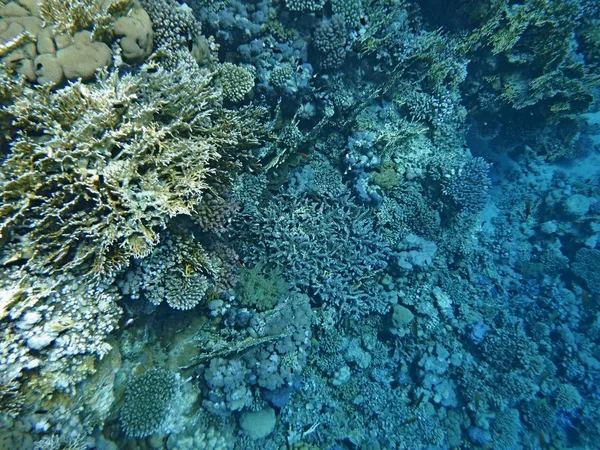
261, 287
386, 177
149, 402
96, 171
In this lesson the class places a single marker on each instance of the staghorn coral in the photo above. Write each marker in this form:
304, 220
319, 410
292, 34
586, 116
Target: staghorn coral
329, 249
112, 163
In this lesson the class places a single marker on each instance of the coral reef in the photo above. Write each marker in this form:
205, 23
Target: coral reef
299, 224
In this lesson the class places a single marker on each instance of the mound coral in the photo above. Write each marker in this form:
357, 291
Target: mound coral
53, 40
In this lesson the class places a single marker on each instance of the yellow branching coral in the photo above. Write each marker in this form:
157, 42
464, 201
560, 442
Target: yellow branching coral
74, 15
97, 170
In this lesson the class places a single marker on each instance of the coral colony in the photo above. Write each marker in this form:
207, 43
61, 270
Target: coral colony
299, 224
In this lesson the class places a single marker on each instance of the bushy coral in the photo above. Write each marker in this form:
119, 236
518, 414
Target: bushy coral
506, 429
117, 159
215, 212
568, 398
304, 5
318, 178
327, 248
261, 288
179, 272
148, 402
467, 187
330, 40
176, 30
350, 10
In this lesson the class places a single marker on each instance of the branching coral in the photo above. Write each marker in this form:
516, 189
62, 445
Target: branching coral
96, 171
329, 249
69, 17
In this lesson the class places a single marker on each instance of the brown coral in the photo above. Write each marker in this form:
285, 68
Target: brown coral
53, 40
